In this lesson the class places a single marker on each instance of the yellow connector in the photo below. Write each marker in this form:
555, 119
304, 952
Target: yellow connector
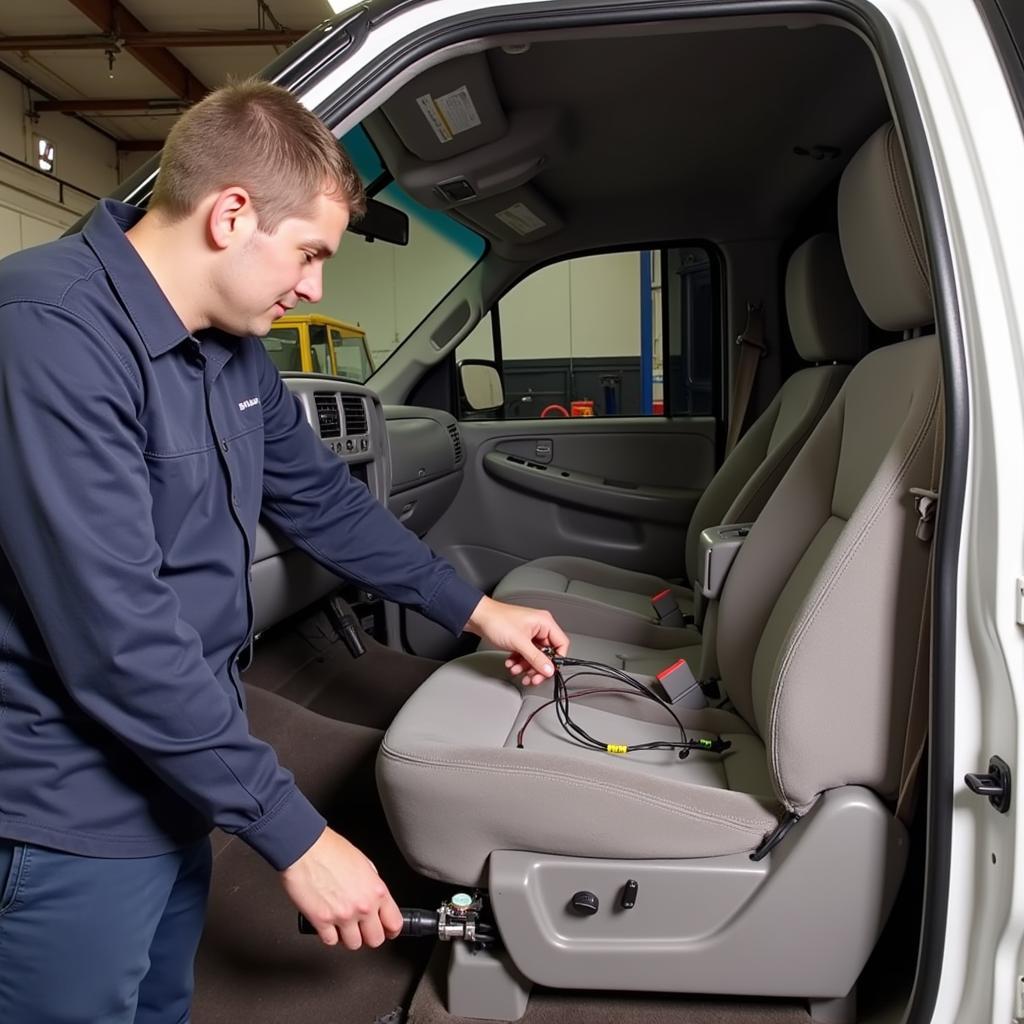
617, 748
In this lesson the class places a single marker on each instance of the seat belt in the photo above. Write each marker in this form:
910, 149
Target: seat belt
926, 502
752, 350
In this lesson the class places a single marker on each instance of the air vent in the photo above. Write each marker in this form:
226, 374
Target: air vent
355, 414
453, 432
327, 415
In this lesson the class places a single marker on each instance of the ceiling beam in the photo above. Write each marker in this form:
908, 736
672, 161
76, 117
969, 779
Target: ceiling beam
151, 40
18, 77
113, 19
139, 145
88, 106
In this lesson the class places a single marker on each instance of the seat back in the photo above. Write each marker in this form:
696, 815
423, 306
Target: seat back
829, 329
822, 608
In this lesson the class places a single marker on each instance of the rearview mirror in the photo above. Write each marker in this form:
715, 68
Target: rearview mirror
387, 223
481, 385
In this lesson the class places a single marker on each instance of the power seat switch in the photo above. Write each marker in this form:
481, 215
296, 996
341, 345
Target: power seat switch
629, 891
995, 785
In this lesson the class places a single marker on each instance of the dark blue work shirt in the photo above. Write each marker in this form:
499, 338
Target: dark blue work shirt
135, 462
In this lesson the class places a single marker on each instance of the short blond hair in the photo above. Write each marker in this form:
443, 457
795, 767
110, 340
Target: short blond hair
257, 136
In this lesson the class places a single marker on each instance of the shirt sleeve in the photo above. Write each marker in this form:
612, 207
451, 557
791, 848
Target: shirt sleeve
76, 525
310, 495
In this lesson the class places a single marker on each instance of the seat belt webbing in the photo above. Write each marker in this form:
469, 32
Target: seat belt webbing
752, 348
918, 709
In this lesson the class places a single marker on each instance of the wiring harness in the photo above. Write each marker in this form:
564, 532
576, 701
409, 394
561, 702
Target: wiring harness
563, 698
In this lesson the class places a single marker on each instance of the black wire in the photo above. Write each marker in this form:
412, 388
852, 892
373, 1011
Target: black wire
579, 735
613, 673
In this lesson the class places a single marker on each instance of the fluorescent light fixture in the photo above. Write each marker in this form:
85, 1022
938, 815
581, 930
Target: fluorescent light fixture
45, 154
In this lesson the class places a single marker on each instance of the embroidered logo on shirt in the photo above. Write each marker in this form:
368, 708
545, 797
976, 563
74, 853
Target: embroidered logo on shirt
248, 404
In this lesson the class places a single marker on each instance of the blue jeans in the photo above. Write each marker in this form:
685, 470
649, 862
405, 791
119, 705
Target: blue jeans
91, 940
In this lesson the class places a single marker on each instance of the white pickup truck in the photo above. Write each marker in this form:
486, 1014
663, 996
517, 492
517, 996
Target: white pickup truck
881, 748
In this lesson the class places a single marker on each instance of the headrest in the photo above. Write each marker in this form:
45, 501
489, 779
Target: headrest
881, 235
825, 319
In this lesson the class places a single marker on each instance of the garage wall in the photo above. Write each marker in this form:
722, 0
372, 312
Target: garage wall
129, 163
34, 207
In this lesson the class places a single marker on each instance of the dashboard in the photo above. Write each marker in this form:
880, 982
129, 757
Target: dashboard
410, 459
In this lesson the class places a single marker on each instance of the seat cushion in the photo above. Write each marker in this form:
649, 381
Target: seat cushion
455, 786
587, 596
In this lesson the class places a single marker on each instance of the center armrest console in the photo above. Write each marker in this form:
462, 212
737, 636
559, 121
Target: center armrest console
719, 546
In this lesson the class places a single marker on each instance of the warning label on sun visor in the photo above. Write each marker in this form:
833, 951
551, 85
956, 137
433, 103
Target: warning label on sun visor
520, 218
450, 114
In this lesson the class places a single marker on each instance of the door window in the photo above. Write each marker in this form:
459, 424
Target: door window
596, 335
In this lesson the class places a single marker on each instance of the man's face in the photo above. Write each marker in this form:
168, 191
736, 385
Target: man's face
273, 272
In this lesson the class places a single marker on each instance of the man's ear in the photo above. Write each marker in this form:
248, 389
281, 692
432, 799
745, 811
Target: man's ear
232, 218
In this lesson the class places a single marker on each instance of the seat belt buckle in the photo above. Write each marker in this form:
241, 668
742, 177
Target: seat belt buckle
926, 502
677, 681
710, 688
667, 609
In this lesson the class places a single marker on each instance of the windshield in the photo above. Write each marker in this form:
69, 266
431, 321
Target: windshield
350, 355
388, 289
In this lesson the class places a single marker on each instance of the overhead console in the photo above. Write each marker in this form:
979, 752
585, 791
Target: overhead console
450, 144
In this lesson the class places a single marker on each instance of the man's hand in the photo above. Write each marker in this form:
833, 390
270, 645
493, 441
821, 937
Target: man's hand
339, 892
522, 632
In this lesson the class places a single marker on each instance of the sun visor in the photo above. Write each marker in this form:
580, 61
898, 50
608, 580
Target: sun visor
448, 110
521, 215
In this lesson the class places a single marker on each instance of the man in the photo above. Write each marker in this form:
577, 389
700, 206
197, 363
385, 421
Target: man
143, 433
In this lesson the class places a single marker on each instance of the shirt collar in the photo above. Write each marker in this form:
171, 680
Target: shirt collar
153, 316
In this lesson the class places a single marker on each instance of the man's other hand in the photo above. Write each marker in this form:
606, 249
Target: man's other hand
338, 890
522, 632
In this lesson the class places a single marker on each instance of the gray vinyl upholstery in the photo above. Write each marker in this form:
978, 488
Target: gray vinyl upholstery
452, 747
829, 329
882, 243
817, 636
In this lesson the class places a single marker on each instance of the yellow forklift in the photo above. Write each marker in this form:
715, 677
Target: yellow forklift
312, 343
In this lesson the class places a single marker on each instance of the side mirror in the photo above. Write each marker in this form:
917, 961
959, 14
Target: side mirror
481, 385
